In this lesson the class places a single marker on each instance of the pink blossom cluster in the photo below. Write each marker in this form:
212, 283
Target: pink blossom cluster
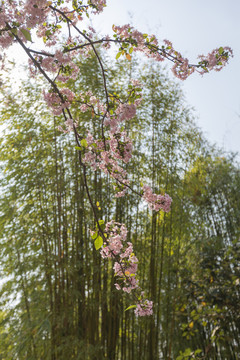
216, 59
120, 146
34, 12
106, 156
99, 4
181, 67
121, 251
61, 64
148, 44
126, 271
5, 39
117, 233
116, 146
107, 160
127, 32
126, 112
29, 14
133, 37
155, 201
125, 264
57, 103
18, 15
69, 124
49, 34
122, 113
144, 308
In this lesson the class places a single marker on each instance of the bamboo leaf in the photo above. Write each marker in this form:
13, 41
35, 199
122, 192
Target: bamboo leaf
131, 307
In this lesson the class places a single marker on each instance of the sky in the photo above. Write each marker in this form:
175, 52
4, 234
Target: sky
194, 28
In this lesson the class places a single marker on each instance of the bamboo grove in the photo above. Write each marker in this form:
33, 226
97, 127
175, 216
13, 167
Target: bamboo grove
58, 299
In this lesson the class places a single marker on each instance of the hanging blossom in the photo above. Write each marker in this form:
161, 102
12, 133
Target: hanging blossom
216, 59
56, 102
69, 125
115, 148
144, 307
118, 147
155, 201
99, 4
117, 248
60, 64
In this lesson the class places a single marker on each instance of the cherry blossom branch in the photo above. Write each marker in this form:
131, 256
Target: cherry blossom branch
152, 47
114, 147
36, 63
141, 305
97, 56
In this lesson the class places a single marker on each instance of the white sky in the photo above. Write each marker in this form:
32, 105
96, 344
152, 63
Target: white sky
194, 27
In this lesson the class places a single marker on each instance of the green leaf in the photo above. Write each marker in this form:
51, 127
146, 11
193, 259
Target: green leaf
78, 148
26, 34
187, 352
130, 50
118, 55
94, 235
131, 307
98, 243
84, 143
100, 222
220, 50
